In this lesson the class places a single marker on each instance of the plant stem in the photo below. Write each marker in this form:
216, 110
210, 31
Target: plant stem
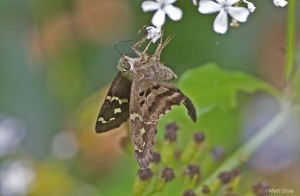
291, 36
252, 145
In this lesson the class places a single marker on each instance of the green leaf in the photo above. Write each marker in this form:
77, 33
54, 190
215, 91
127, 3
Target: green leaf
210, 87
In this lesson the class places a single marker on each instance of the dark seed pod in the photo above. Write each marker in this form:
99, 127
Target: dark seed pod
145, 174
260, 189
225, 177
168, 174
192, 170
189, 193
199, 137
156, 158
205, 189
172, 127
171, 130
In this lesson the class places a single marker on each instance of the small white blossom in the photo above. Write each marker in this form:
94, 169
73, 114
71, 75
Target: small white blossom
195, 2
224, 7
163, 8
234, 23
280, 3
64, 145
250, 6
153, 33
16, 178
12, 133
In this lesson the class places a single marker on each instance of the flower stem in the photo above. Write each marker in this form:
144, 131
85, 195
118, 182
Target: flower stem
291, 34
252, 145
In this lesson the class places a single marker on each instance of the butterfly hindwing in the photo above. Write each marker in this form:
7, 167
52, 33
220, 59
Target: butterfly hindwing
150, 100
115, 109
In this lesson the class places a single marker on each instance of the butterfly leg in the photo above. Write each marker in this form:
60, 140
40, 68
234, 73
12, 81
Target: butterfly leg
161, 37
147, 47
161, 46
137, 45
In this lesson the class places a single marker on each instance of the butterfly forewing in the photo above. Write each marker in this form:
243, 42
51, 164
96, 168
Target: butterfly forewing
115, 109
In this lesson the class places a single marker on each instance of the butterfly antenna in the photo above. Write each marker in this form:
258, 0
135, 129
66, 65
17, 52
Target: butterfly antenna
119, 42
116, 48
143, 27
147, 47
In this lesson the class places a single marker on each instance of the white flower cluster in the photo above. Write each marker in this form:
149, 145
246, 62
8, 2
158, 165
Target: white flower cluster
280, 3
233, 8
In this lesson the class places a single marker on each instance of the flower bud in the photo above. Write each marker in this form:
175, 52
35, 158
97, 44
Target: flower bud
260, 189
192, 171
199, 137
172, 126
189, 193
205, 189
171, 130
145, 174
156, 158
168, 174
225, 177
142, 181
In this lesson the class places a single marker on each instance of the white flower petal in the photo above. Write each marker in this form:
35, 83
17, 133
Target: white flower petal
155, 38
153, 33
280, 3
231, 2
220, 1
251, 7
173, 12
150, 6
239, 13
159, 18
283, 3
208, 7
221, 22
170, 1
150, 30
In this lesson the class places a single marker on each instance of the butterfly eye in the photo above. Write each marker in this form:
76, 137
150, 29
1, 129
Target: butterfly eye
126, 66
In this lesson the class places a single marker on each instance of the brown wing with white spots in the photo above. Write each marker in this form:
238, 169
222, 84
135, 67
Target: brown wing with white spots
115, 109
150, 100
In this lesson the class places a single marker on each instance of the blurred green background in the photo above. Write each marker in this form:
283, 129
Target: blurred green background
57, 59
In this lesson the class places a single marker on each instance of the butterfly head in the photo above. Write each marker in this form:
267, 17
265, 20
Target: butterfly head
125, 66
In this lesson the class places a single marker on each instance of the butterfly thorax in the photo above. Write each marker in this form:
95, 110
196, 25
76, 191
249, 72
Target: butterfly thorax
145, 67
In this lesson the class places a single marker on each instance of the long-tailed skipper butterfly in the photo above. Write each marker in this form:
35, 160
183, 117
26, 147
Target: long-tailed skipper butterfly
141, 92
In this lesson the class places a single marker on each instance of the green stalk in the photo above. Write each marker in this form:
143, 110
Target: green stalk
291, 36
252, 145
